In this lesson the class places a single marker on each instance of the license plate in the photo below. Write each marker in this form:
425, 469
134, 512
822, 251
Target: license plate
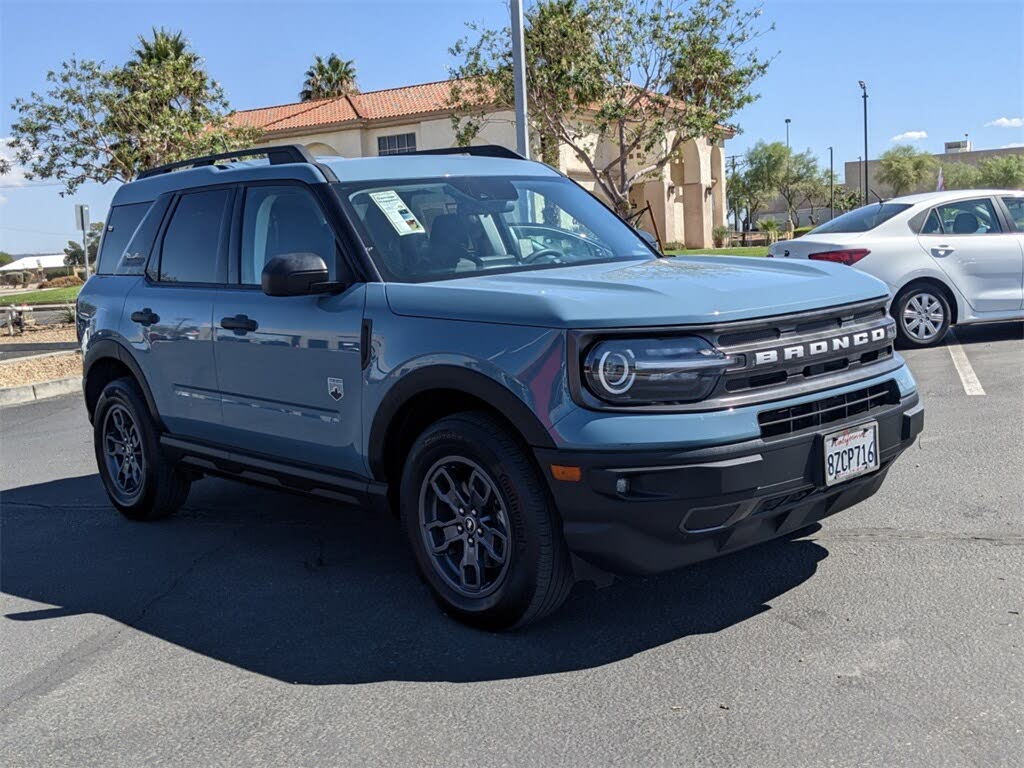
851, 452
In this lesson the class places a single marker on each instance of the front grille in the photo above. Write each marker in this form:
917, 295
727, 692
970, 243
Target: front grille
785, 421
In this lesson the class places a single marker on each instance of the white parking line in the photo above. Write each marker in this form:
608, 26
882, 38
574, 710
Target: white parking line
963, 366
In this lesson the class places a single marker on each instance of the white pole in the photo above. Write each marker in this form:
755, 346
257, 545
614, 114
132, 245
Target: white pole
519, 79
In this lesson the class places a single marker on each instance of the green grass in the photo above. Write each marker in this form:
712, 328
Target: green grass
47, 296
750, 250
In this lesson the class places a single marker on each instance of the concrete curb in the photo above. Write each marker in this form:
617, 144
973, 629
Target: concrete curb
37, 356
41, 391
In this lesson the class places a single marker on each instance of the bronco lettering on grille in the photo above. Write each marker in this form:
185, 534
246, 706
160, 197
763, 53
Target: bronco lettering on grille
823, 346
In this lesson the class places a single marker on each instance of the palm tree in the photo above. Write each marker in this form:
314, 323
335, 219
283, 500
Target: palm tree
329, 77
165, 46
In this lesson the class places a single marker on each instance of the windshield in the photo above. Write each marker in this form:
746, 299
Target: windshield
861, 219
433, 229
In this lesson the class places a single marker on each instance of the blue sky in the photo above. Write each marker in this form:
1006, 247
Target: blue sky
942, 68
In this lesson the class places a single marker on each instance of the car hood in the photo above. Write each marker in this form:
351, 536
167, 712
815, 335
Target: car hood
667, 291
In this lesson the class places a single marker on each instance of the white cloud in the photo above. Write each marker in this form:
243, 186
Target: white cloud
910, 136
1006, 122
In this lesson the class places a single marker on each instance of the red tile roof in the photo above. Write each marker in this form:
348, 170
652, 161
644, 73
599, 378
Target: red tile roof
373, 105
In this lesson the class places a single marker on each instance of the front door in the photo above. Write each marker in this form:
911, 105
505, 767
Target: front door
984, 260
289, 367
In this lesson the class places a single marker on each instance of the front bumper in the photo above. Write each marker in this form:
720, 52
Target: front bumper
681, 507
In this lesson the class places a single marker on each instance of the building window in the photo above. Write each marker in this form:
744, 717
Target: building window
398, 144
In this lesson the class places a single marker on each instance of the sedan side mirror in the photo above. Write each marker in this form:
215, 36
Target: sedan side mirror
297, 274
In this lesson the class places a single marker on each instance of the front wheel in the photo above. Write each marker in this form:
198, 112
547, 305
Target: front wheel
922, 316
482, 527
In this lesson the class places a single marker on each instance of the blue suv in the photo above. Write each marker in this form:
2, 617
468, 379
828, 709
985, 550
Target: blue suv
476, 343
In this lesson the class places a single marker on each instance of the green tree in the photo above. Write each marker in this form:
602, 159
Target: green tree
5, 258
608, 79
329, 77
97, 124
73, 250
960, 176
1002, 172
846, 199
904, 169
800, 173
163, 46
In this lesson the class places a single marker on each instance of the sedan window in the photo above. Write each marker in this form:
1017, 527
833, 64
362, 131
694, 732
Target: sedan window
1015, 205
965, 217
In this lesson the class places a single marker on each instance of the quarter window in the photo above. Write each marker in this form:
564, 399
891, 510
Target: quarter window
279, 220
192, 241
398, 144
965, 217
121, 225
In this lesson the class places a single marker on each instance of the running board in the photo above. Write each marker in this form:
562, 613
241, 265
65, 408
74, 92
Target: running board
260, 470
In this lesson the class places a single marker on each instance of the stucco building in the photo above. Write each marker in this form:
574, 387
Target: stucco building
687, 199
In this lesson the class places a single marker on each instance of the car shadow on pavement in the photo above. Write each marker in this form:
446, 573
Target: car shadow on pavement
982, 333
307, 592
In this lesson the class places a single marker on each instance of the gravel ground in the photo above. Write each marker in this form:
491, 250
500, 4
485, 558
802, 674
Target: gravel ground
40, 334
37, 369
255, 628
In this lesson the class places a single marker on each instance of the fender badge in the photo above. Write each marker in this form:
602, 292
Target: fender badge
336, 388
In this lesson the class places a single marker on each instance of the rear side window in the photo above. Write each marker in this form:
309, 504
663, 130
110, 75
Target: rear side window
862, 219
279, 220
192, 242
1015, 205
964, 217
121, 225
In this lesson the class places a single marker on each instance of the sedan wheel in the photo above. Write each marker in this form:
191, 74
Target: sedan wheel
923, 317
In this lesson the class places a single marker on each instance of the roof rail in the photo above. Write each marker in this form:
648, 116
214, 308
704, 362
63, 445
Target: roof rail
280, 155
482, 150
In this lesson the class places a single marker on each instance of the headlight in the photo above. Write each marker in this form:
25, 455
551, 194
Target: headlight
682, 369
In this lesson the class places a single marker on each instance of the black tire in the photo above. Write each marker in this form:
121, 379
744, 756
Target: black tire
922, 315
537, 575
161, 488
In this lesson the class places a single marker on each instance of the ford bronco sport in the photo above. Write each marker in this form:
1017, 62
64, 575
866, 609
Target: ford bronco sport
474, 341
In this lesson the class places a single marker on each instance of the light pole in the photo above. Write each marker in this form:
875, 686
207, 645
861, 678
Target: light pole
787, 132
864, 91
519, 79
831, 188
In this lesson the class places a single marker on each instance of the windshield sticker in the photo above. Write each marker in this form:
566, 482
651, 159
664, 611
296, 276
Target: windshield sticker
397, 212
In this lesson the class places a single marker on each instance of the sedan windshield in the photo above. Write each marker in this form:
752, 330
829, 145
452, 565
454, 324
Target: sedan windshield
438, 228
862, 219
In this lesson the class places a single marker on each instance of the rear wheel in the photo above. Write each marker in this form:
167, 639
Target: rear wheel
922, 316
483, 530
139, 480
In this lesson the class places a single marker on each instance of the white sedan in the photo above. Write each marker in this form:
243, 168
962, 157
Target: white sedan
948, 257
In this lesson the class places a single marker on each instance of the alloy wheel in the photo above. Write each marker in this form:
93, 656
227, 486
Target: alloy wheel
465, 526
122, 450
923, 316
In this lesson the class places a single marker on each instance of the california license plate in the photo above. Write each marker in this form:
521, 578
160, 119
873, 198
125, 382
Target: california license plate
851, 452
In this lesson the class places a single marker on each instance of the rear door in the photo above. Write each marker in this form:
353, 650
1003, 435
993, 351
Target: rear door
290, 376
1013, 206
168, 315
972, 244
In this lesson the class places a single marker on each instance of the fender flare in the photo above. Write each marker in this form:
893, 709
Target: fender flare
109, 349
452, 377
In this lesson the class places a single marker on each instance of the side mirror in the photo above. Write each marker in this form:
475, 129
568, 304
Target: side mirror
296, 274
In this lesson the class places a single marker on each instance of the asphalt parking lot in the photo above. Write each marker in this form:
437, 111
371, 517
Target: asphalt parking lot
257, 628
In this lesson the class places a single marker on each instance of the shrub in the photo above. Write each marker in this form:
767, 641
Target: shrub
64, 282
13, 278
801, 231
720, 236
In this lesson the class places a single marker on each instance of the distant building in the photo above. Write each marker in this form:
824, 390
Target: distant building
35, 262
686, 201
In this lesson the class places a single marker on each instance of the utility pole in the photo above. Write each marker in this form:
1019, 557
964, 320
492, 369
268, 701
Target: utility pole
519, 79
82, 222
787, 132
831, 188
864, 90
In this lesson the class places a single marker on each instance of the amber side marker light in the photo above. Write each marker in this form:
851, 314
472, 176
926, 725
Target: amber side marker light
566, 474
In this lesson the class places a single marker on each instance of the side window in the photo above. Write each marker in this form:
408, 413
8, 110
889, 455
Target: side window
279, 220
192, 241
966, 217
121, 224
1015, 205
932, 225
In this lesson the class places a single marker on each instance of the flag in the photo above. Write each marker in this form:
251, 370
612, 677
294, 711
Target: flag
940, 185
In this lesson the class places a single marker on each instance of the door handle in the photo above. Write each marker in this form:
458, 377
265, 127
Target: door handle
941, 251
238, 323
145, 316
